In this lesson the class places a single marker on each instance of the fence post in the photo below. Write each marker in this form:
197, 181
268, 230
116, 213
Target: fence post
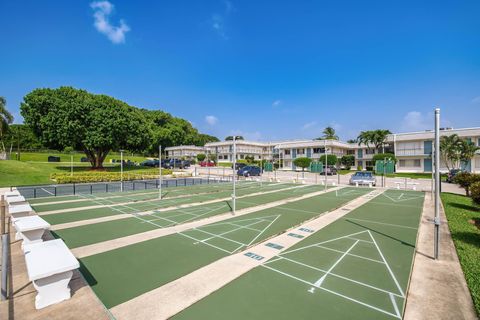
2, 213
55, 191
91, 189
133, 182
106, 187
74, 188
5, 264
176, 182
34, 193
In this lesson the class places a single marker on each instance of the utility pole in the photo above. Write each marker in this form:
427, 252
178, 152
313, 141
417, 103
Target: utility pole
160, 172
326, 163
437, 183
121, 170
234, 196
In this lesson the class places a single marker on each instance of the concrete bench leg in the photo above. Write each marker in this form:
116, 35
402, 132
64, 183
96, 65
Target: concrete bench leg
334, 184
356, 184
414, 188
369, 184
32, 236
52, 289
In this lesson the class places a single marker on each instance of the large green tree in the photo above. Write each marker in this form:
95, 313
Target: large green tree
6, 119
96, 124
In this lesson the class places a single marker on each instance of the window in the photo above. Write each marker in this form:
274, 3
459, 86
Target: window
370, 151
301, 151
318, 150
369, 163
242, 156
287, 151
351, 152
477, 163
409, 163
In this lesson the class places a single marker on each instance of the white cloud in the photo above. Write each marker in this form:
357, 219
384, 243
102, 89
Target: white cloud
276, 103
102, 11
476, 100
217, 20
309, 125
415, 121
211, 120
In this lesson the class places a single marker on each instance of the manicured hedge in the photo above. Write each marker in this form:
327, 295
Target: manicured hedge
104, 176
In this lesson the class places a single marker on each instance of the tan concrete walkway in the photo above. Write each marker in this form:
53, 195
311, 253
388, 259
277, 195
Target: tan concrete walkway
83, 305
177, 295
182, 206
157, 233
437, 287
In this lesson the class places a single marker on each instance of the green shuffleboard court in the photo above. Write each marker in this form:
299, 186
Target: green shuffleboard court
88, 234
107, 207
119, 275
355, 268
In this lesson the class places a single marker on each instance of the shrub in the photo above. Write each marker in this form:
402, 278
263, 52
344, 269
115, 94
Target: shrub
475, 192
382, 156
201, 157
465, 180
302, 162
348, 161
103, 176
332, 159
359, 168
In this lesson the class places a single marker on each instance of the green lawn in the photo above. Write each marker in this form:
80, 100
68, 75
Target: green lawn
460, 215
20, 173
65, 158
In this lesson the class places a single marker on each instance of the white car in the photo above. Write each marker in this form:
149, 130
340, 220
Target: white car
363, 178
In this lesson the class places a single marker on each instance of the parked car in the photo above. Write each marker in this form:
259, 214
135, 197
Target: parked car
150, 163
186, 163
175, 164
248, 171
331, 170
208, 163
363, 178
451, 175
239, 165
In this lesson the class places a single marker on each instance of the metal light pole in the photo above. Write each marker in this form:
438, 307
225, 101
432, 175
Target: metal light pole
437, 182
234, 196
160, 172
326, 163
121, 170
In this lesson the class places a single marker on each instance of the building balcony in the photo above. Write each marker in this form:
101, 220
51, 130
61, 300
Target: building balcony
410, 152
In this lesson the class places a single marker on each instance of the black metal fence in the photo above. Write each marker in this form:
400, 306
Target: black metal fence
103, 187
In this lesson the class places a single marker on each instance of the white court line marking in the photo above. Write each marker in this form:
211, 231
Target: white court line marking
47, 191
319, 282
353, 238
350, 254
229, 231
208, 244
336, 275
382, 223
400, 200
219, 236
400, 196
252, 229
392, 298
335, 293
278, 216
388, 266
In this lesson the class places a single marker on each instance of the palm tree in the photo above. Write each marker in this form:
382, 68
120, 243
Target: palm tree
329, 134
451, 150
6, 118
365, 137
379, 138
467, 151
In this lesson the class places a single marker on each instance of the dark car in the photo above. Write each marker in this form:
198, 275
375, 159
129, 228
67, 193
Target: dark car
331, 170
451, 175
239, 166
175, 163
150, 163
248, 171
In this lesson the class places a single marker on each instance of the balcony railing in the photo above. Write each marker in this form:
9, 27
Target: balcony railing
410, 152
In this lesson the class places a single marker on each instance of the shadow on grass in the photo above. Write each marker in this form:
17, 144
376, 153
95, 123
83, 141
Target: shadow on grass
471, 238
464, 206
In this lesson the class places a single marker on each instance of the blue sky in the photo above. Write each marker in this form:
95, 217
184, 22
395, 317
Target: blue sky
266, 69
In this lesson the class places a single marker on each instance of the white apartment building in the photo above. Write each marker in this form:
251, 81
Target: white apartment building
413, 150
223, 150
187, 152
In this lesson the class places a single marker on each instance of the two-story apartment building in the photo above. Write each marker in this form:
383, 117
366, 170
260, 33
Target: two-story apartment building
187, 152
413, 150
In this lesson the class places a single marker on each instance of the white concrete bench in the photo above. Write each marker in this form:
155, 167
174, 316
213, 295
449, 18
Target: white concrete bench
13, 193
30, 229
398, 184
20, 210
50, 266
16, 200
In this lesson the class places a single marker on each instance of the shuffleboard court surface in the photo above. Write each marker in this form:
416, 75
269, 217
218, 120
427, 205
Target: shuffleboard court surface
106, 208
355, 268
119, 275
103, 231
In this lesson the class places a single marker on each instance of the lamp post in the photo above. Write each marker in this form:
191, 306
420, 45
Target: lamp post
234, 198
121, 170
437, 183
160, 172
326, 163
